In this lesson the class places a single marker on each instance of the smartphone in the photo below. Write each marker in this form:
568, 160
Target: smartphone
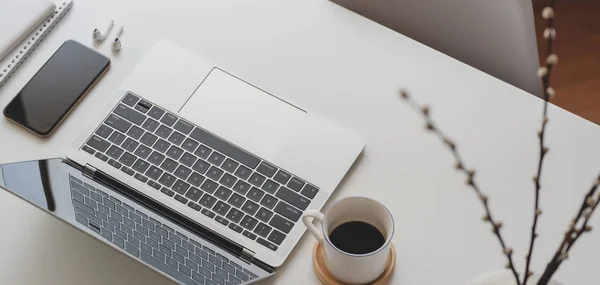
56, 88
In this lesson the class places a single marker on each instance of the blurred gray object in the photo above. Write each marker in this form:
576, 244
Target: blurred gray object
496, 37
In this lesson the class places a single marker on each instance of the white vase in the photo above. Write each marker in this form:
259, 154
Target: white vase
503, 277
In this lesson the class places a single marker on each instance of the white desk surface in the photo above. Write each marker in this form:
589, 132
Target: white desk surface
349, 69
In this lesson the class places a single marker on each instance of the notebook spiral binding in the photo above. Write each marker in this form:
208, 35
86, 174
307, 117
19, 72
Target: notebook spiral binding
20, 54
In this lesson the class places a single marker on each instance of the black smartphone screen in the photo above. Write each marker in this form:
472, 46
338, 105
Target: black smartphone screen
56, 88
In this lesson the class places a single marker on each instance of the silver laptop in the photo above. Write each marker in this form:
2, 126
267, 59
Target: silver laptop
194, 171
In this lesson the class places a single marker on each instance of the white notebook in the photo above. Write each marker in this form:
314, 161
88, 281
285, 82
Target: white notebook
13, 59
18, 18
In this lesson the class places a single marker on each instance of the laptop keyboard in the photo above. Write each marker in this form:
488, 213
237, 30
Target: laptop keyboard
153, 242
248, 195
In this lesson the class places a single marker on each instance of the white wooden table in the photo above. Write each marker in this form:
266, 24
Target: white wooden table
348, 69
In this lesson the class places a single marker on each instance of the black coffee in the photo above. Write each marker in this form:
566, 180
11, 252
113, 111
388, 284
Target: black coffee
357, 238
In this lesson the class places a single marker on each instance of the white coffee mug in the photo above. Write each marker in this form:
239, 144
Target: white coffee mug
347, 267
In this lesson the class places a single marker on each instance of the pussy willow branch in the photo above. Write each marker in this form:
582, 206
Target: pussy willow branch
544, 73
470, 174
573, 233
579, 225
584, 226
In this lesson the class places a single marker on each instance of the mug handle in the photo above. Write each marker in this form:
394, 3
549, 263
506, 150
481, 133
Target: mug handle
316, 215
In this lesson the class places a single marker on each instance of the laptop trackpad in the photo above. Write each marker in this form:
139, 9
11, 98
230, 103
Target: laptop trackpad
245, 115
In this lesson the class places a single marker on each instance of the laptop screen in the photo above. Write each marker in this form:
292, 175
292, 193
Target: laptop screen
63, 191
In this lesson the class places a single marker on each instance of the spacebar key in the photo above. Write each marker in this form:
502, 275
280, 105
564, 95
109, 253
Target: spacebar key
167, 269
225, 147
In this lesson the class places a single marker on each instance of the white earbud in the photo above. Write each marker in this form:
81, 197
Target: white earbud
99, 37
116, 45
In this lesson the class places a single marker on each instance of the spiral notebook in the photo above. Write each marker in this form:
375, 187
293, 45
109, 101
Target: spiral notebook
14, 58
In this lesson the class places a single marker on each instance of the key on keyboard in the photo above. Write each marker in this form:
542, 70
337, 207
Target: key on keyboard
201, 171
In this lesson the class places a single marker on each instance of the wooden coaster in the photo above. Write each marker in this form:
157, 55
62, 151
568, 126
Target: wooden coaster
326, 278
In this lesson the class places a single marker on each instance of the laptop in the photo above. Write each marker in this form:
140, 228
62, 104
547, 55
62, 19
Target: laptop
193, 171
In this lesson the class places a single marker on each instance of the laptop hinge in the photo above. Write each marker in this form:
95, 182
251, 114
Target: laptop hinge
247, 255
88, 171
